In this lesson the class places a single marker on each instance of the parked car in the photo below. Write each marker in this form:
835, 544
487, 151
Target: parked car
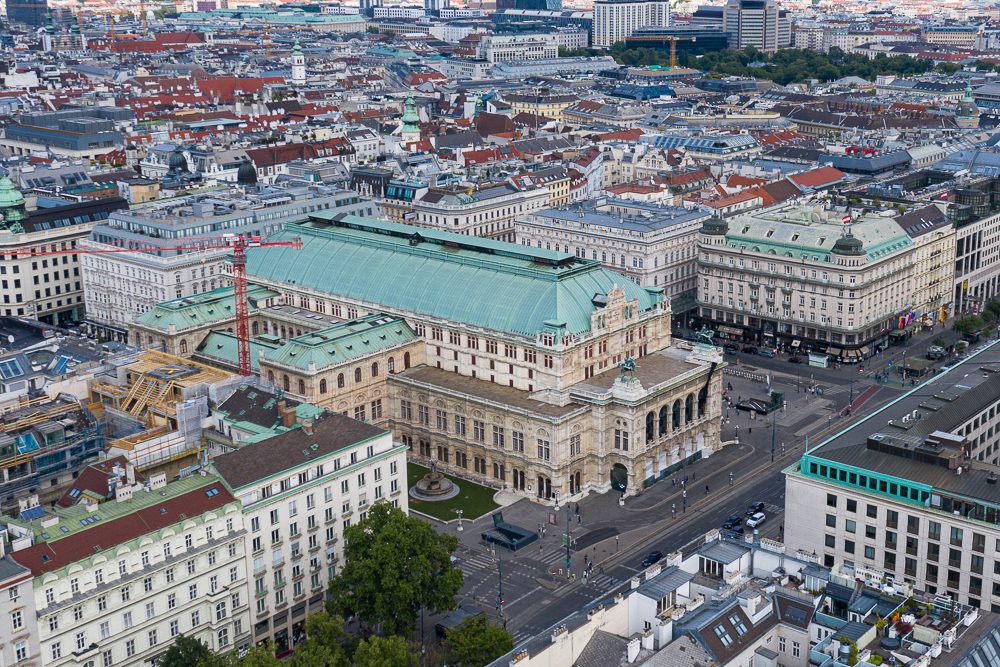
738, 530
754, 508
766, 352
756, 520
935, 352
732, 522
750, 349
731, 349
796, 359
652, 558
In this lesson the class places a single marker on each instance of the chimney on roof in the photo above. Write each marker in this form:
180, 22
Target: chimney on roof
287, 414
307, 426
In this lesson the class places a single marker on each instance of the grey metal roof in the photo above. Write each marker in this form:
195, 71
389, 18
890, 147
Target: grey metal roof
944, 401
641, 218
667, 581
723, 552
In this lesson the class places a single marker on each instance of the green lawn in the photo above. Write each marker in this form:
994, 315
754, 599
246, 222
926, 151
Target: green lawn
474, 499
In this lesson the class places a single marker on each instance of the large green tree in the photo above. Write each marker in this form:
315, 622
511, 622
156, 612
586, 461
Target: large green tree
476, 642
385, 652
185, 652
395, 565
328, 643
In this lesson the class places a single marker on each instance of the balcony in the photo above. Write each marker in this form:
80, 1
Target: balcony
260, 592
280, 584
313, 529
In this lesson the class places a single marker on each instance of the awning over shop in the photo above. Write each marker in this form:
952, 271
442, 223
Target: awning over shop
863, 351
722, 328
834, 351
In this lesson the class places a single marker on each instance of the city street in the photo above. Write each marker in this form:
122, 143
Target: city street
537, 591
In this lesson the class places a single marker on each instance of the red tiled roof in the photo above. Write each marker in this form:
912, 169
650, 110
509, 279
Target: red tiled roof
633, 134
226, 87
738, 181
817, 178
48, 556
94, 479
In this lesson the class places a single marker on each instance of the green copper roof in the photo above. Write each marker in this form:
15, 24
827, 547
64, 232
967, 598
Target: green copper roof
343, 342
221, 346
10, 198
499, 286
199, 309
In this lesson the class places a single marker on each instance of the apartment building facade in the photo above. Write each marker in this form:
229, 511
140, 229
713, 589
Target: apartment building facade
489, 211
789, 277
114, 582
299, 490
652, 245
45, 287
17, 614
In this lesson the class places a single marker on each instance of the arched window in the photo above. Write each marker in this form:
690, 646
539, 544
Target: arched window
270, 377
322, 386
286, 383
702, 401
689, 408
650, 426
255, 327
406, 360
302, 387
677, 414
184, 346
357, 375
664, 419
340, 381
375, 370
392, 365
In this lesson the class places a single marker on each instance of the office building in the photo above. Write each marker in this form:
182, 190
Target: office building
757, 23
513, 48
681, 38
615, 20
909, 494
29, 12
72, 133
488, 211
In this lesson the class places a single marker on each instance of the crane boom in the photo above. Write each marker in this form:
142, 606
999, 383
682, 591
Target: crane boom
237, 243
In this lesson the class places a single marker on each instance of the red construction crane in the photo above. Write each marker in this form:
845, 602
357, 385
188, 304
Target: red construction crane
238, 244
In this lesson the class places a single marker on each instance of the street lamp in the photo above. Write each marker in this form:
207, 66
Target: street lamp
459, 513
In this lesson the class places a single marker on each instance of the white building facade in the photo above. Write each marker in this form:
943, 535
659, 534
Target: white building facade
109, 591
296, 508
614, 20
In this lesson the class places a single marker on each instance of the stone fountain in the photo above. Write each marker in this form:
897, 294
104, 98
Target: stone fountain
434, 486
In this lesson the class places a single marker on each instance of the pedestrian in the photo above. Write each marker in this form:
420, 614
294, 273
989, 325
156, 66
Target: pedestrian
694, 475
706, 489
749, 430
578, 519
673, 508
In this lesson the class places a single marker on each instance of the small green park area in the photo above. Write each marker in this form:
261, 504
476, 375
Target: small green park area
473, 499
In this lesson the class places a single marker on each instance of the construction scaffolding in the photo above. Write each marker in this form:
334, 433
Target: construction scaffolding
153, 407
44, 442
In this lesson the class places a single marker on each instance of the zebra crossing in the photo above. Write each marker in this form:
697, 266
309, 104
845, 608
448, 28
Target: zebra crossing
476, 562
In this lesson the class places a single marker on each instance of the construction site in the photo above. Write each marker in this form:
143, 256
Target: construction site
152, 409
43, 444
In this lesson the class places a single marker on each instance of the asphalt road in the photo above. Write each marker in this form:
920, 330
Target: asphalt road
535, 612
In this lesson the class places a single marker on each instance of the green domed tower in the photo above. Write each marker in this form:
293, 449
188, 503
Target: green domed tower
11, 204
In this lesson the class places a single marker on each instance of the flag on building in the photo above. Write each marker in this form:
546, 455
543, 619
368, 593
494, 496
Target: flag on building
944, 195
847, 217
